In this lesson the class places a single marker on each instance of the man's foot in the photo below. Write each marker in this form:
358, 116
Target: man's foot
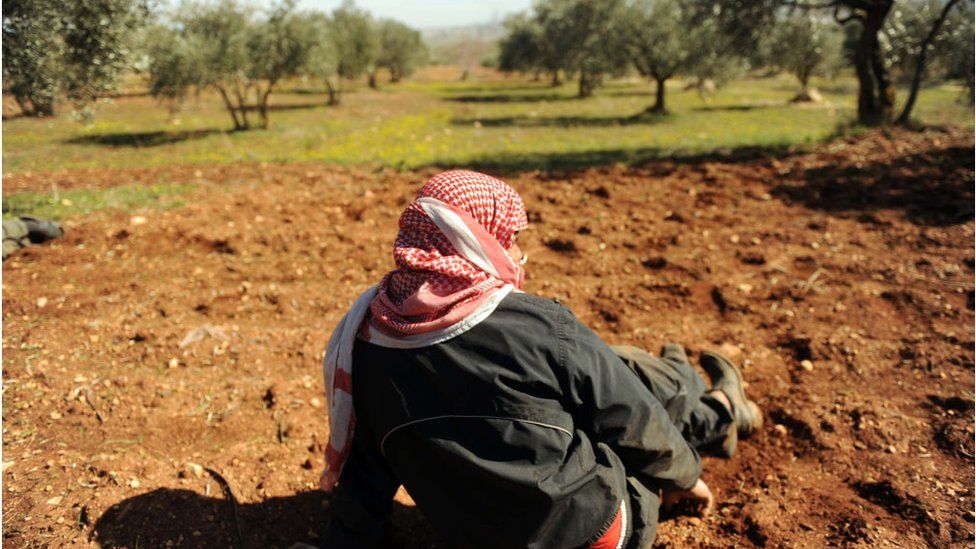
727, 378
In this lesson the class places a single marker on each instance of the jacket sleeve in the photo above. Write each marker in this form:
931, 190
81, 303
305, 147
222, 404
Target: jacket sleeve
614, 407
360, 509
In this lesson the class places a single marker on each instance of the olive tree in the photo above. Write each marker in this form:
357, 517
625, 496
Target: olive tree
401, 49
278, 48
524, 49
323, 58
658, 45
355, 41
74, 49
590, 35
804, 44
226, 47
206, 48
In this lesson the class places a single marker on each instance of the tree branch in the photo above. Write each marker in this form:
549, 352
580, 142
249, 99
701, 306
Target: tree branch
906, 112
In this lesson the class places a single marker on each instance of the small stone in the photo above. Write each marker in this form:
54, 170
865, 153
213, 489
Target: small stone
55, 415
806, 365
134, 483
138, 220
745, 288
56, 500
694, 521
780, 430
195, 468
41, 302
730, 350
173, 362
315, 402
734, 239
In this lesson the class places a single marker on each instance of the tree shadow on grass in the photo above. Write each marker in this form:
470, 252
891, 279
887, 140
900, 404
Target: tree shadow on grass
737, 108
141, 139
510, 98
515, 163
289, 106
934, 187
628, 92
562, 121
185, 518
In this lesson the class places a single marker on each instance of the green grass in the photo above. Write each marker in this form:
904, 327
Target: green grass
499, 125
79, 202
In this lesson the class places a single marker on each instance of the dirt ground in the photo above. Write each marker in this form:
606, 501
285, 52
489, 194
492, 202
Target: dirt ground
152, 365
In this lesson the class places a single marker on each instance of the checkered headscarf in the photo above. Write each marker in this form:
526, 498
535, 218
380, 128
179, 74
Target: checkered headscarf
433, 281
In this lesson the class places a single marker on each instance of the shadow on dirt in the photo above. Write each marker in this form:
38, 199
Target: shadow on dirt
514, 163
183, 518
141, 139
931, 188
562, 121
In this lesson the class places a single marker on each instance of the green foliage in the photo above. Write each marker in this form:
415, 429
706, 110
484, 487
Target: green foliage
77, 49
175, 65
402, 49
520, 50
589, 35
355, 40
659, 46
712, 59
323, 57
960, 58
908, 25
805, 45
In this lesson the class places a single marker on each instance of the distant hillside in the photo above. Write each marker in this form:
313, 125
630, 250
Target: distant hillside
466, 46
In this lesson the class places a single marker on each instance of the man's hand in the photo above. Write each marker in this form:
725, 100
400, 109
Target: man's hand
699, 497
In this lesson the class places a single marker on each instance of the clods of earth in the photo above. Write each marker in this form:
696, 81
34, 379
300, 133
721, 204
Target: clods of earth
161, 369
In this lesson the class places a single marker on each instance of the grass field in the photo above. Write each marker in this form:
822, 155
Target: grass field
497, 125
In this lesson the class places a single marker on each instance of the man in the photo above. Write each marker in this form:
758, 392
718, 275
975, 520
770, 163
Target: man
509, 422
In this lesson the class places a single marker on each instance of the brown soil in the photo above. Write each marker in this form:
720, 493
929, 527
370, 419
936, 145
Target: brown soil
856, 257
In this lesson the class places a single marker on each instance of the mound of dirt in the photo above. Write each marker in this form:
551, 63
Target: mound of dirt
162, 382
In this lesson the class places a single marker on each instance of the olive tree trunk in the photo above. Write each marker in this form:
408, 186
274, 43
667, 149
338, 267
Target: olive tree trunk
876, 93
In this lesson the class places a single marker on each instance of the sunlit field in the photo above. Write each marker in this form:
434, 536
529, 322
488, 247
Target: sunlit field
495, 124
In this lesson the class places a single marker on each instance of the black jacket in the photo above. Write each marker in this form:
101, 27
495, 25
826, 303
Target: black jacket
525, 431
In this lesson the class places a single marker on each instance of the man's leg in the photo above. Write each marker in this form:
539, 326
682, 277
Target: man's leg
703, 417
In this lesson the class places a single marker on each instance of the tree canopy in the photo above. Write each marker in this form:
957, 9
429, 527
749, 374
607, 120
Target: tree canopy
78, 49
401, 49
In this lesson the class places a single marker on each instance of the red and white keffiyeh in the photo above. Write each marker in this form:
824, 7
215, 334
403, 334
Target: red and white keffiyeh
452, 270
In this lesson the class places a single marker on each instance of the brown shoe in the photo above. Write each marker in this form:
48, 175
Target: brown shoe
727, 378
